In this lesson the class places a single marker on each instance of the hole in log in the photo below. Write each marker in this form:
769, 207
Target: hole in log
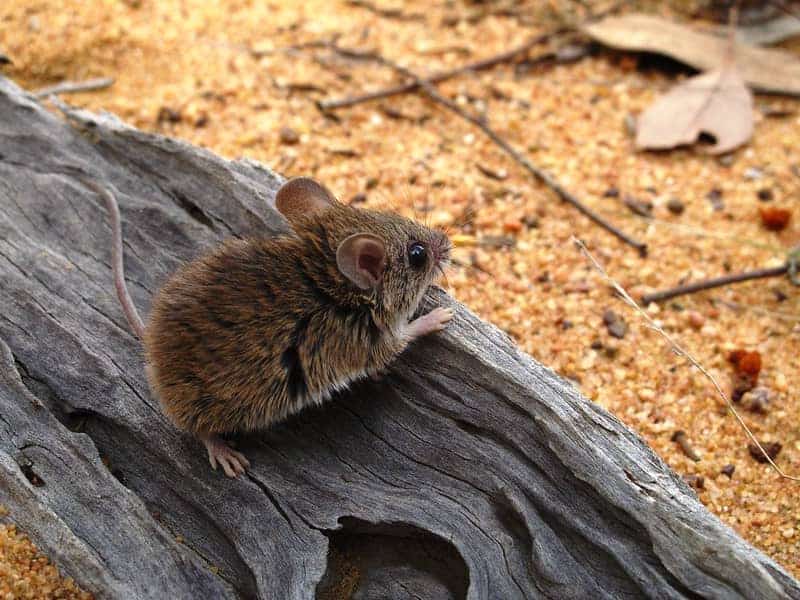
391, 560
26, 466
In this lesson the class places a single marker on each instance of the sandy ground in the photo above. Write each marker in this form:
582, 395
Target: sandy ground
222, 75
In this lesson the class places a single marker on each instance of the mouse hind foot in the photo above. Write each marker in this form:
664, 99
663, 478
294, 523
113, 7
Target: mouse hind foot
219, 451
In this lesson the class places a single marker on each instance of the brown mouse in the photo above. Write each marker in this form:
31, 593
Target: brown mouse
258, 329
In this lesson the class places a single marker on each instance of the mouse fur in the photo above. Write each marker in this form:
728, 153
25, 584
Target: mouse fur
258, 329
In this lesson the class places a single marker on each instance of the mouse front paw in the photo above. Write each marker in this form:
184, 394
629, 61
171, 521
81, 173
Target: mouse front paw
233, 463
436, 320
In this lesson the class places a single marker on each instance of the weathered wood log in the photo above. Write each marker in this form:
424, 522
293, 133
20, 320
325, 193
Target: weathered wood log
471, 471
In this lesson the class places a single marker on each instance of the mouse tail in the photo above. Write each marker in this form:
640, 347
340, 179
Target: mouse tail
131, 314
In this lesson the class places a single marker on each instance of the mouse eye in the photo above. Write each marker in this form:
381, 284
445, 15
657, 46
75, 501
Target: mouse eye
417, 254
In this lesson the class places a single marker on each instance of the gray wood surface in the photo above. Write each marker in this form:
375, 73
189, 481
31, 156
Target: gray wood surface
471, 471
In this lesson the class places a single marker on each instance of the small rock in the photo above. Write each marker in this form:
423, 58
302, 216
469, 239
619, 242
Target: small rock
765, 194
726, 160
780, 295
740, 385
715, 198
512, 226
616, 325
597, 345
728, 470
611, 192
771, 448
639, 207
753, 173
675, 206
788, 532
695, 319
168, 115
572, 53
647, 394
372, 182
775, 219
531, 221
756, 400
288, 135
698, 482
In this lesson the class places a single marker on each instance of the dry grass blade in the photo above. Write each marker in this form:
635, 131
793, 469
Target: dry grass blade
680, 351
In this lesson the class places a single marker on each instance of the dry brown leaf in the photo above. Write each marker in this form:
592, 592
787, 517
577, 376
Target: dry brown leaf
769, 32
764, 69
717, 103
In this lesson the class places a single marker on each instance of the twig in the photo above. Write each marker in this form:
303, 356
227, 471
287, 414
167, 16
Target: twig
680, 438
680, 352
713, 283
72, 87
426, 88
480, 65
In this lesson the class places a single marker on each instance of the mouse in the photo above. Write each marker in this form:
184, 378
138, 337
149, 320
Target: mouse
260, 328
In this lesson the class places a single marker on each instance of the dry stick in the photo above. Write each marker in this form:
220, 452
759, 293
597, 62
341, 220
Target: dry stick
713, 283
71, 87
486, 63
480, 65
680, 352
682, 440
426, 88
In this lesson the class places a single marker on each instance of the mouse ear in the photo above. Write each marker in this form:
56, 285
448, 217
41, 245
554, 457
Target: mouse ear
302, 196
361, 258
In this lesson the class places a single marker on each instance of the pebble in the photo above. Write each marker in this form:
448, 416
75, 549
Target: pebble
647, 394
765, 194
616, 325
642, 208
714, 196
675, 206
756, 400
695, 319
698, 482
288, 135
753, 173
771, 448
